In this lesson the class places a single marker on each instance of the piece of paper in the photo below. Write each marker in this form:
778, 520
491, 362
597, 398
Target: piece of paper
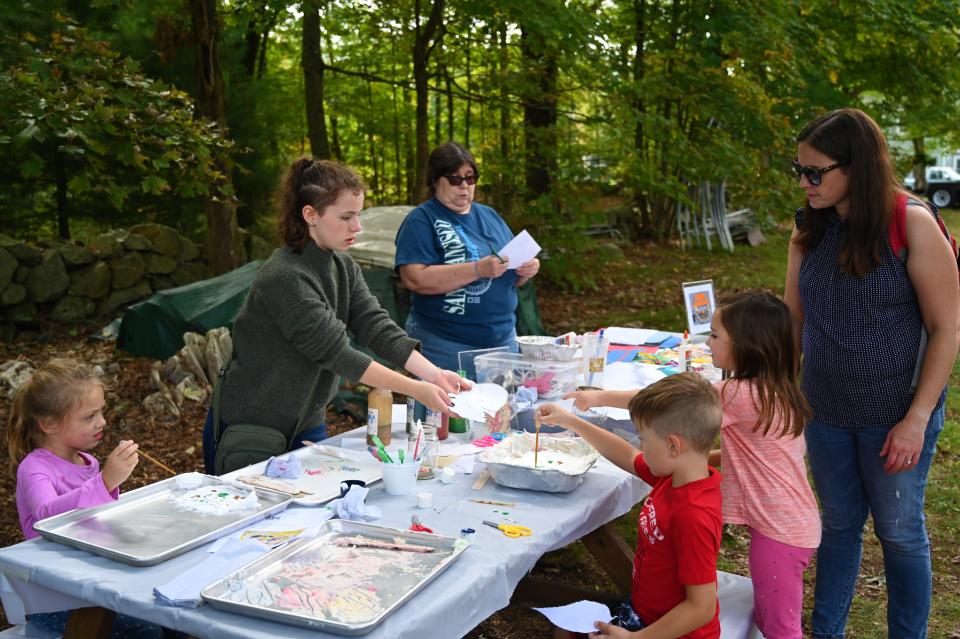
629, 336
308, 520
479, 402
577, 617
520, 249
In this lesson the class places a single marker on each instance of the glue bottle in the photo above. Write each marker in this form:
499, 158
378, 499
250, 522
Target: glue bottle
459, 424
683, 353
379, 415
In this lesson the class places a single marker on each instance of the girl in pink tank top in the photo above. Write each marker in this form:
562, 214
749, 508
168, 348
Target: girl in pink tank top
764, 475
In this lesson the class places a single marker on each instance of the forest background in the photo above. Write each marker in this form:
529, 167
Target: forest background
185, 112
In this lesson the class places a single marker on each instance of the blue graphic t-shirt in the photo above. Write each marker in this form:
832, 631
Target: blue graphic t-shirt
481, 313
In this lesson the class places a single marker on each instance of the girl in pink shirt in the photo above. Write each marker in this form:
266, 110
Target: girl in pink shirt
56, 416
764, 477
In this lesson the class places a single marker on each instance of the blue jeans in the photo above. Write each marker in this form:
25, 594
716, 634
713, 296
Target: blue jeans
443, 352
851, 483
315, 434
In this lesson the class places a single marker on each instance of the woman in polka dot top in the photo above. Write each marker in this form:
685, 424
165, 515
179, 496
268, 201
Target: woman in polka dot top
879, 337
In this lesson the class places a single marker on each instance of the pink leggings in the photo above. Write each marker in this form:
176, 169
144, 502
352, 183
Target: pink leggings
776, 570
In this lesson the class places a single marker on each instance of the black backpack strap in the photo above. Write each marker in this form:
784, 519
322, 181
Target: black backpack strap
215, 404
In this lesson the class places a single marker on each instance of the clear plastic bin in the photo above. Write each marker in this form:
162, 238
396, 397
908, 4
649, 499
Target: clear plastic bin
511, 370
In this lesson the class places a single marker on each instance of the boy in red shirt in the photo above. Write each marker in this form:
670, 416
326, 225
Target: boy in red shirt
674, 592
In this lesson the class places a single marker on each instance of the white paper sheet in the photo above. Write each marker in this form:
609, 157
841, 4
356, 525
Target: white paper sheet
478, 402
577, 617
628, 336
520, 249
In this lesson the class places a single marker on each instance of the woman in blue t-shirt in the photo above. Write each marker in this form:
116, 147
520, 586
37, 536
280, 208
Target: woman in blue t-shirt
463, 294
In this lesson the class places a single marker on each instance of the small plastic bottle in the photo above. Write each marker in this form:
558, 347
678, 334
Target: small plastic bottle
428, 451
683, 353
379, 415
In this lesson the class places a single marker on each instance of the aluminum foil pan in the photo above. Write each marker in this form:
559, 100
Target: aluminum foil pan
511, 462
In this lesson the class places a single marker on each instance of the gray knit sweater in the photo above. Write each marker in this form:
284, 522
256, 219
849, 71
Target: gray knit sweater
290, 339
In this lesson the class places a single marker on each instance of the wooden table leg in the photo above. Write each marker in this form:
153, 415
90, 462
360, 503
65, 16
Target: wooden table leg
613, 555
90, 623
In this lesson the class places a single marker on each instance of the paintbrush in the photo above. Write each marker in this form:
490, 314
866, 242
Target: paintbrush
536, 441
326, 450
158, 463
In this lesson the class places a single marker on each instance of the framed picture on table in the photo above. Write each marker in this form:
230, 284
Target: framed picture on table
700, 301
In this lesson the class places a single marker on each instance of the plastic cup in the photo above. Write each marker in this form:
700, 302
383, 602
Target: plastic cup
594, 358
399, 479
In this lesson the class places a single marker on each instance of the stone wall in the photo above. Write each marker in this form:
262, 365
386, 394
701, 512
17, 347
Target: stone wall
69, 282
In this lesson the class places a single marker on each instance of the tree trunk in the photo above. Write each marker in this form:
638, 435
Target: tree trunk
505, 190
311, 59
63, 216
450, 127
466, 115
226, 250
539, 110
639, 106
919, 166
426, 37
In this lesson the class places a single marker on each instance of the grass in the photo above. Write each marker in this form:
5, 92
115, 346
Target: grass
644, 289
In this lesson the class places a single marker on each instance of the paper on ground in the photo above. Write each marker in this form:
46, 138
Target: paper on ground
520, 249
479, 401
628, 336
577, 617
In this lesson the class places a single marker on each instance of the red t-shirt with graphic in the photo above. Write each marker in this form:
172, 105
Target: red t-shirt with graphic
678, 540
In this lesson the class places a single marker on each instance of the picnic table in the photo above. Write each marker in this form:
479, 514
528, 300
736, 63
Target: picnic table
43, 576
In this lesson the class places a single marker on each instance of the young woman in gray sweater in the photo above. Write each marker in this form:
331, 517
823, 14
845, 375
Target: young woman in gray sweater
291, 340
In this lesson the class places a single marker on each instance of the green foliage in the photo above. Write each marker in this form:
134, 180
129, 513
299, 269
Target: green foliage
70, 104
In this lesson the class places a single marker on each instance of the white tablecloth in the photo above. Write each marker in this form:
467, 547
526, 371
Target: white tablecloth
478, 584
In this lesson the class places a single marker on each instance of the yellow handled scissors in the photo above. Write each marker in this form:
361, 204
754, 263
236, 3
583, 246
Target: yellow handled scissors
511, 530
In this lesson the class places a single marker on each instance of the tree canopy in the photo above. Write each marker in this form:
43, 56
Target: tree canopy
571, 106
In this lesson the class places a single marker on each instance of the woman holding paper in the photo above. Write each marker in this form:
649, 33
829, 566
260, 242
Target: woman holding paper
463, 292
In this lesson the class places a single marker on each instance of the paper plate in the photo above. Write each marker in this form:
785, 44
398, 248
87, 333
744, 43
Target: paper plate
480, 401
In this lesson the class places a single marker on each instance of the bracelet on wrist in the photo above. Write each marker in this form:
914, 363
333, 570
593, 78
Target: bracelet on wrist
476, 268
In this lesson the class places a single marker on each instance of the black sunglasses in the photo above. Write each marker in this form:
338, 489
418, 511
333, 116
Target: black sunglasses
812, 173
457, 180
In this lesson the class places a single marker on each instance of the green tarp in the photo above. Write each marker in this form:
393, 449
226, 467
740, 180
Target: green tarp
155, 327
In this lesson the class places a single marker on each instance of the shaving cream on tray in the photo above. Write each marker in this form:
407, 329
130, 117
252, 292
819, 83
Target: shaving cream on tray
568, 455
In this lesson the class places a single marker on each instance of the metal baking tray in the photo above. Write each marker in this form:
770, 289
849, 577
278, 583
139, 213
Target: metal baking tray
144, 527
548, 480
318, 584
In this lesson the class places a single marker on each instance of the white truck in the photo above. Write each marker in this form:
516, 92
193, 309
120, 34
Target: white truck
943, 185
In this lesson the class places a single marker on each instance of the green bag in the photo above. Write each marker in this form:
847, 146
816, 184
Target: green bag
244, 444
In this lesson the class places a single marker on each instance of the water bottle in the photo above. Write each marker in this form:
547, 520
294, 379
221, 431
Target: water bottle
459, 424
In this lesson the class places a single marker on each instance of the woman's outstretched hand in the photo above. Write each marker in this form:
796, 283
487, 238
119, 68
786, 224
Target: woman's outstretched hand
433, 397
452, 382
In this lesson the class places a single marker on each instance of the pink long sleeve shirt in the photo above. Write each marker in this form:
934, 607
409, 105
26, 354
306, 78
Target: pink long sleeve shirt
48, 485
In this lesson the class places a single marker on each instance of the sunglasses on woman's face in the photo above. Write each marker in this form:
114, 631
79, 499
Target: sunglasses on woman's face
457, 180
813, 174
